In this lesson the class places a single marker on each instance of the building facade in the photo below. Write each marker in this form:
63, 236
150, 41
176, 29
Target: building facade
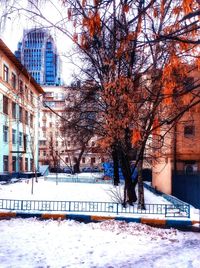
19, 111
180, 154
38, 53
58, 149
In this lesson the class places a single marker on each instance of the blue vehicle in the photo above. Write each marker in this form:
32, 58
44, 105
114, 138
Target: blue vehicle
109, 172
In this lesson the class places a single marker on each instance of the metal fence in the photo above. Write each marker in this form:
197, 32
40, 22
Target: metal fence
168, 210
77, 178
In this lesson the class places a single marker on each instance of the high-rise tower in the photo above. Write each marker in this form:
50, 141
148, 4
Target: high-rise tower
38, 53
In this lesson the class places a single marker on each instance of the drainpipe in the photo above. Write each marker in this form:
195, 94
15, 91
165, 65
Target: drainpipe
173, 174
175, 148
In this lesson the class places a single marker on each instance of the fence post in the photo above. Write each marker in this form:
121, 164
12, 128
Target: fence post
69, 205
117, 208
165, 210
21, 204
188, 211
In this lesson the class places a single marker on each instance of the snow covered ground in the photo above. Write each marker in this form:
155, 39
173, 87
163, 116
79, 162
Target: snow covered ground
48, 189
32, 243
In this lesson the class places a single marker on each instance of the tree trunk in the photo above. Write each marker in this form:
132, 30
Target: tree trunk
115, 165
129, 187
141, 203
79, 159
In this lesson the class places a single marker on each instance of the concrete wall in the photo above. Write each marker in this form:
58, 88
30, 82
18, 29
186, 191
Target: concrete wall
161, 175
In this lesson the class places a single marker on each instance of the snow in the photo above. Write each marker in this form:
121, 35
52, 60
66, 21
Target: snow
31, 243
48, 189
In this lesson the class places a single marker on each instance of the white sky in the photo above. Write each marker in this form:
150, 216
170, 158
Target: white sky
13, 33
31, 243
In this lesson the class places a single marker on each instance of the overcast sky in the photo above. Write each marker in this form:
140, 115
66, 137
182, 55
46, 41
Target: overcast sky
12, 33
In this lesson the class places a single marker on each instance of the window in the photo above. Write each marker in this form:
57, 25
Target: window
93, 160
20, 164
26, 164
21, 87
26, 91
31, 97
44, 153
5, 73
32, 164
20, 114
14, 136
14, 162
20, 138
5, 133
42, 143
5, 105
190, 167
26, 117
31, 120
83, 160
14, 80
14, 110
189, 130
66, 160
25, 137
50, 124
5, 163
56, 143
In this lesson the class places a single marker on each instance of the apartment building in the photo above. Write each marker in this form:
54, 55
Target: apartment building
58, 149
19, 112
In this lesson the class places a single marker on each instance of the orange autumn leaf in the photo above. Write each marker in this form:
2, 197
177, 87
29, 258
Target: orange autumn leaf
136, 136
167, 70
85, 21
176, 10
156, 127
75, 37
183, 46
197, 62
74, 23
162, 7
125, 8
186, 99
69, 13
84, 2
83, 41
96, 2
97, 22
187, 6
168, 91
155, 12
131, 36
139, 26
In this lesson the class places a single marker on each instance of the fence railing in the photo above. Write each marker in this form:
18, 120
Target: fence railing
77, 178
168, 210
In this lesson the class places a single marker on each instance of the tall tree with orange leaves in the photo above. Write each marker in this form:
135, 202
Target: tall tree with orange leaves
140, 54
